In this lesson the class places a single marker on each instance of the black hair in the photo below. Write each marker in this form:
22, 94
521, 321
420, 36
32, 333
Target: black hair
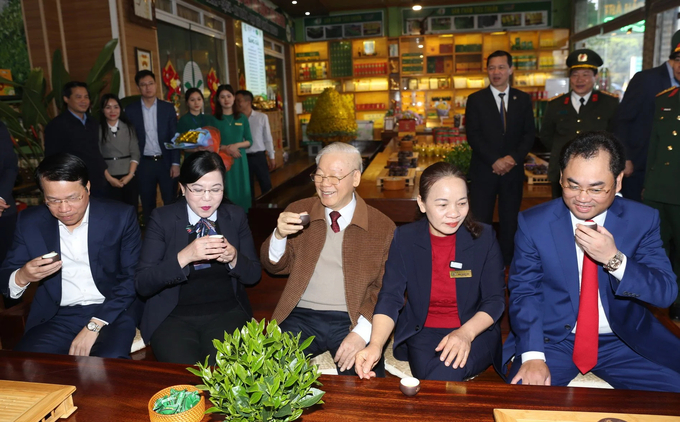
246, 94
500, 53
190, 91
62, 167
218, 108
438, 171
104, 125
199, 164
66, 91
588, 144
143, 74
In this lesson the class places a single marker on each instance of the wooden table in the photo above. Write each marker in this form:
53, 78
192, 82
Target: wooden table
119, 390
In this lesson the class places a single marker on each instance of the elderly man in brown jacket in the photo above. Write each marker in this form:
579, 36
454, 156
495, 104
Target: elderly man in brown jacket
334, 248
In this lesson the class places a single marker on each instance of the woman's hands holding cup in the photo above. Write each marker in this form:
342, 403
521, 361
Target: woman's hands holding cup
204, 248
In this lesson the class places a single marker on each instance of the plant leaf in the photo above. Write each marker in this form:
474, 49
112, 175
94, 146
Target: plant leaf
284, 411
114, 88
104, 62
306, 343
311, 399
59, 78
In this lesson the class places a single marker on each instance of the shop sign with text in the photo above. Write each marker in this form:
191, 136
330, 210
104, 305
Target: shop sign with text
344, 26
256, 13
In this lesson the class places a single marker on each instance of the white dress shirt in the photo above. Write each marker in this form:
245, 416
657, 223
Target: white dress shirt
77, 283
576, 100
261, 133
506, 99
150, 116
277, 247
603, 327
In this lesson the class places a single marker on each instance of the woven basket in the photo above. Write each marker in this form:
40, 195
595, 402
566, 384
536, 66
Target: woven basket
195, 414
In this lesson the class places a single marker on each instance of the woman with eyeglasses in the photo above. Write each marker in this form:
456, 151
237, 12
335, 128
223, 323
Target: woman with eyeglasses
120, 149
197, 256
451, 269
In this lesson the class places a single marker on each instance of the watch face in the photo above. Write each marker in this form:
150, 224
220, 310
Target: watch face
92, 326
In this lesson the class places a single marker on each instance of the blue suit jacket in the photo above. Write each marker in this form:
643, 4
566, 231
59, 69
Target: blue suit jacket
159, 275
544, 287
166, 126
409, 269
113, 242
635, 114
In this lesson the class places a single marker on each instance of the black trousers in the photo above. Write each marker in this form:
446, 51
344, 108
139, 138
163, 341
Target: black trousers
632, 186
257, 164
152, 173
329, 329
56, 335
128, 194
485, 186
189, 339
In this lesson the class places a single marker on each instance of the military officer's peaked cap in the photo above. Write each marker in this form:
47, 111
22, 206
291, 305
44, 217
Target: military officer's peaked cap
584, 58
675, 45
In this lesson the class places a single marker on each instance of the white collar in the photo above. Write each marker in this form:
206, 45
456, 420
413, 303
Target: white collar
114, 126
346, 213
598, 219
496, 92
576, 98
194, 218
84, 222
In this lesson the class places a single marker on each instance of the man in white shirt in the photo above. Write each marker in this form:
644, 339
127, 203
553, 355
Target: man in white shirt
261, 152
85, 302
586, 265
335, 260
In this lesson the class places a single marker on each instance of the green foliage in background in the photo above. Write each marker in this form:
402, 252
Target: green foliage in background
260, 376
460, 156
14, 52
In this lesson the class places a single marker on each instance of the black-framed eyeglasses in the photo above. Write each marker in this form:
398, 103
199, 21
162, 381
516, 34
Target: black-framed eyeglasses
333, 180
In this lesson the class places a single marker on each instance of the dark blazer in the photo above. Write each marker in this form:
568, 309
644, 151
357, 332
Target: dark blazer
113, 242
636, 112
9, 169
166, 126
544, 287
65, 133
159, 275
409, 269
484, 130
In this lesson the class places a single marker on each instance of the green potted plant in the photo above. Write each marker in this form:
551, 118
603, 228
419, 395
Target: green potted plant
460, 156
260, 375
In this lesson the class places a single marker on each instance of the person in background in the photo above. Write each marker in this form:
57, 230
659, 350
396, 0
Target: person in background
580, 110
198, 255
236, 138
154, 122
261, 157
586, 267
194, 118
451, 268
9, 169
335, 262
85, 303
500, 139
661, 181
119, 145
75, 132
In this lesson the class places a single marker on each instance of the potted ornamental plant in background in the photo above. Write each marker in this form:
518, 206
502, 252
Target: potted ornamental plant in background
460, 155
333, 118
260, 375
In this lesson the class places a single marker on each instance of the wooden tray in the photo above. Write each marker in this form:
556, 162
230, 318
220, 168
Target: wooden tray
385, 173
35, 402
535, 179
394, 158
519, 415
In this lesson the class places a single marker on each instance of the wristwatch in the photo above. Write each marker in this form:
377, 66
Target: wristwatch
93, 326
615, 262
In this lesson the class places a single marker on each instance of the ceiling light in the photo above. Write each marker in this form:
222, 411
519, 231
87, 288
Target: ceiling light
306, 13
294, 2
420, 46
416, 5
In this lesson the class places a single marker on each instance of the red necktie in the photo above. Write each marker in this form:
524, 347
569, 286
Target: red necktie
334, 221
586, 341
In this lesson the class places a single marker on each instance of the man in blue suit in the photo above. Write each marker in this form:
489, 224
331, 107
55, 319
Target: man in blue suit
155, 123
578, 294
635, 115
85, 302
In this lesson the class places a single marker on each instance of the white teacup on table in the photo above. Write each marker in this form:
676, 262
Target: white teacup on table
409, 386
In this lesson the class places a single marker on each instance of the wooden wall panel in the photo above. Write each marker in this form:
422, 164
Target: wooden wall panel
133, 35
35, 34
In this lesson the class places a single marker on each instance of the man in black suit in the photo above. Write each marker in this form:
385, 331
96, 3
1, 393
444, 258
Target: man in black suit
501, 131
76, 132
635, 115
155, 123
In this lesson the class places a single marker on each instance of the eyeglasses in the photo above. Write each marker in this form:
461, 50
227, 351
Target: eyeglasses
72, 200
575, 190
144, 85
333, 180
201, 191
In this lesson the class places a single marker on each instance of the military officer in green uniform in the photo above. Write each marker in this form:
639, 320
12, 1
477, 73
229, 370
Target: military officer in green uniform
580, 110
663, 173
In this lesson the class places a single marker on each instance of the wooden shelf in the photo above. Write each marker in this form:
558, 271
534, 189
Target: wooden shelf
370, 57
468, 53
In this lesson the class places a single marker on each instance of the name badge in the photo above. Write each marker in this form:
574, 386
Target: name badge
456, 265
238, 124
665, 109
460, 274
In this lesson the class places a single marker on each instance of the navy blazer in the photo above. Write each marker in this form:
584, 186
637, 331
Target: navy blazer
635, 114
166, 120
159, 275
544, 286
409, 269
113, 242
9, 169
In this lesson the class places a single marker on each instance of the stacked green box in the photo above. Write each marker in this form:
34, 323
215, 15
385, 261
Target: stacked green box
341, 59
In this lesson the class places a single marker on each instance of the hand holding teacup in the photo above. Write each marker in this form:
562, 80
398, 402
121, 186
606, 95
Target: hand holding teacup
596, 241
204, 248
230, 253
290, 223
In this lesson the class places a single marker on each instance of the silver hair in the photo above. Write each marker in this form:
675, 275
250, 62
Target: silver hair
342, 148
